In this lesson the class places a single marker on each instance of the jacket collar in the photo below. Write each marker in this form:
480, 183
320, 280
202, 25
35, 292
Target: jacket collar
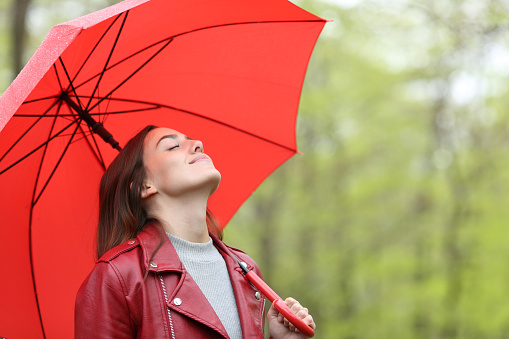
165, 258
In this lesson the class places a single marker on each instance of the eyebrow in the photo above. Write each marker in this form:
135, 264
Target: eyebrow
171, 136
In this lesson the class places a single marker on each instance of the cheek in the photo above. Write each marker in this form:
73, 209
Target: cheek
167, 173
155, 170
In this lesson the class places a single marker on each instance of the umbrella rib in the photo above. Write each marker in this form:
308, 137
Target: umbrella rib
97, 151
231, 126
130, 111
56, 166
28, 130
30, 226
33, 272
70, 82
107, 61
91, 114
37, 148
243, 23
39, 99
48, 115
132, 74
99, 154
42, 159
58, 77
93, 49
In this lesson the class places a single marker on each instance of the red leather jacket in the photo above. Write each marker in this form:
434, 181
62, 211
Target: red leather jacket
115, 302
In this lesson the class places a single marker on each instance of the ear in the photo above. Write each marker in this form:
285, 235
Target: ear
147, 190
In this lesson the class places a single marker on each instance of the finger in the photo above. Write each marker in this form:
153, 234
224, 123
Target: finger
297, 308
290, 302
303, 313
309, 321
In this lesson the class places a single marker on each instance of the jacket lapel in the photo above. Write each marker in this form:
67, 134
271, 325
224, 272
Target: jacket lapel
184, 295
188, 299
247, 304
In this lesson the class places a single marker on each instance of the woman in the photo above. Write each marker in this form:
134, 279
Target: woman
163, 271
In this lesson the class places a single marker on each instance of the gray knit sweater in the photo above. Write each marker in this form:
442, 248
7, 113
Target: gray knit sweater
208, 269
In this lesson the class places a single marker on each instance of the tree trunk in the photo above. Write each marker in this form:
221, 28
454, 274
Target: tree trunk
19, 10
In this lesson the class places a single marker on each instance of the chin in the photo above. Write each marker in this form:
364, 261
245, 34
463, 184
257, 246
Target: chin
215, 182
218, 180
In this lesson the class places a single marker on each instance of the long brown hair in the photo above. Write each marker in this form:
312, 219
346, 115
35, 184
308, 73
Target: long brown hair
121, 213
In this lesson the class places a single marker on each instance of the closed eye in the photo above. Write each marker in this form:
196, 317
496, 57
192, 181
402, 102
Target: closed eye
173, 147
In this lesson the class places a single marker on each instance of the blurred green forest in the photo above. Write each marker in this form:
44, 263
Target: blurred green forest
393, 221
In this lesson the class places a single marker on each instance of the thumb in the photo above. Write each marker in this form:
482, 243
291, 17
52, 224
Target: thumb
273, 313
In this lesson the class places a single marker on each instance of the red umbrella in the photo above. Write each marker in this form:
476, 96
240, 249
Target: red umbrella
227, 72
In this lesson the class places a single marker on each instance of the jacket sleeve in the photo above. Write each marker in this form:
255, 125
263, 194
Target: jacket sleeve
101, 309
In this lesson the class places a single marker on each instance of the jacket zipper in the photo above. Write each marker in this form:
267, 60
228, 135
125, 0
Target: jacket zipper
167, 307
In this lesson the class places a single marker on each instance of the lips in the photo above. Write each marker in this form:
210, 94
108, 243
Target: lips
201, 157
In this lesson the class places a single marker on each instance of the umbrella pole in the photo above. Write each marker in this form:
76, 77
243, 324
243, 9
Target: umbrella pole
96, 126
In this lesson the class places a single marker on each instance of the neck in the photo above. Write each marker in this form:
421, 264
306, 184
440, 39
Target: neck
183, 217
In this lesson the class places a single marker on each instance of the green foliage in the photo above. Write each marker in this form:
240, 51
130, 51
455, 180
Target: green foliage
392, 223
5, 72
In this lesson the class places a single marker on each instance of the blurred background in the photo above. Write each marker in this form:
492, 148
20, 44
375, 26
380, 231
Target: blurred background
393, 221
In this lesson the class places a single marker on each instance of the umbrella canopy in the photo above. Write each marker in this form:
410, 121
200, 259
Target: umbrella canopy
226, 72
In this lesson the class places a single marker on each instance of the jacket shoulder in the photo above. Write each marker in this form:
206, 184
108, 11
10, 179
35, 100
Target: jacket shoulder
118, 269
116, 251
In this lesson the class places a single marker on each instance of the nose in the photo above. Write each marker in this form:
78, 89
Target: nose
197, 146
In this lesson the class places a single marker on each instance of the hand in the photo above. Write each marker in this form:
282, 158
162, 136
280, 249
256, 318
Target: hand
281, 328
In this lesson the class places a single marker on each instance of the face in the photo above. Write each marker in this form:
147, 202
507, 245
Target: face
176, 165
